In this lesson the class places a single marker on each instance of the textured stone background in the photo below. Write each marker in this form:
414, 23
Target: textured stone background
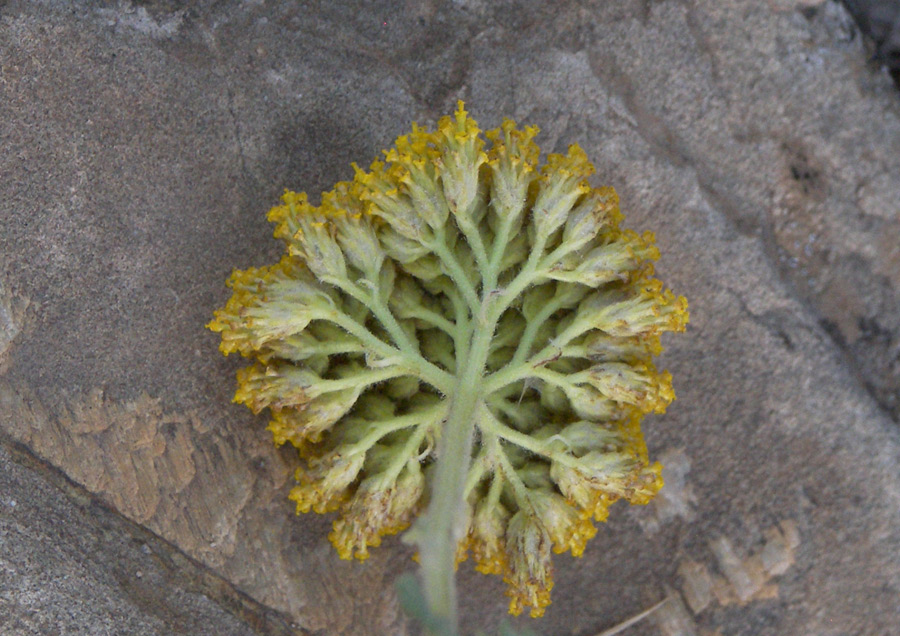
142, 144
880, 20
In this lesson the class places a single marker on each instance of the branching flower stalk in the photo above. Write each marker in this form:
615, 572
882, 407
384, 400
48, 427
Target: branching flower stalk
463, 333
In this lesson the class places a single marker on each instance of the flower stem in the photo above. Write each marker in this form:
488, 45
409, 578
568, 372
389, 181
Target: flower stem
442, 527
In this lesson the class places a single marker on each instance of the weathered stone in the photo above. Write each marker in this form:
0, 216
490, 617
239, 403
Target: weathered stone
143, 144
71, 566
880, 20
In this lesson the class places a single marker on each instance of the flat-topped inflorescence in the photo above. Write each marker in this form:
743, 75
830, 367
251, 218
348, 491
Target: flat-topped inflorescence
459, 271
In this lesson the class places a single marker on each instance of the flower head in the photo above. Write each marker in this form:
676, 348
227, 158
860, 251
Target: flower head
459, 270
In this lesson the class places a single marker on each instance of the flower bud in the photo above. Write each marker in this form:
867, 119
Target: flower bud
424, 191
316, 244
649, 312
318, 340
385, 201
307, 423
377, 509
589, 403
359, 243
407, 297
567, 529
278, 386
616, 260
604, 477
530, 570
598, 211
285, 216
580, 437
554, 399
602, 347
637, 384
486, 537
399, 247
561, 185
460, 162
269, 303
513, 160
536, 299
323, 487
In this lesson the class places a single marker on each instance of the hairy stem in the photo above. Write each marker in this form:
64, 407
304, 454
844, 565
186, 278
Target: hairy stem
438, 378
455, 271
440, 530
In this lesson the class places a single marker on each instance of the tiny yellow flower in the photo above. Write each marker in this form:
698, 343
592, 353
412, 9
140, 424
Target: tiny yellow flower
460, 271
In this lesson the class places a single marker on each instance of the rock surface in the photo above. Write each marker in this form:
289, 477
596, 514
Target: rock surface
142, 144
880, 20
70, 565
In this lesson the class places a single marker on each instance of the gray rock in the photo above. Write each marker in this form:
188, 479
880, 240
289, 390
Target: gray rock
69, 565
880, 20
143, 143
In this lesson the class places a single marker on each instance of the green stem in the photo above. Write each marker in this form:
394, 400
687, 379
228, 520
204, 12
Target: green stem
501, 240
439, 531
533, 271
425, 418
524, 278
379, 309
455, 271
476, 472
519, 489
533, 326
533, 367
390, 474
461, 323
529, 443
361, 380
435, 320
436, 377
472, 234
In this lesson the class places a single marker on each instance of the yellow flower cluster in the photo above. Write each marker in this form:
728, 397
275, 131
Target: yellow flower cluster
459, 257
